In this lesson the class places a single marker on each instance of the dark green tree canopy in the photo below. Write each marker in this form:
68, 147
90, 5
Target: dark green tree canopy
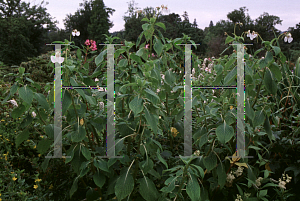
22, 30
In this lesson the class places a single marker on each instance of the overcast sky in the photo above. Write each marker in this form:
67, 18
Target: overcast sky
203, 11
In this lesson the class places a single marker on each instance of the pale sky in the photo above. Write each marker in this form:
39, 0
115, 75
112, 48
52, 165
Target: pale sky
203, 11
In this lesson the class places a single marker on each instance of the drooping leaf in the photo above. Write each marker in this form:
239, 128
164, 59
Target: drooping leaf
99, 179
151, 120
136, 105
210, 161
22, 137
148, 189
26, 94
193, 188
40, 98
269, 82
224, 132
124, 185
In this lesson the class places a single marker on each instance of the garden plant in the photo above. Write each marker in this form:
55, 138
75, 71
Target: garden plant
149, 125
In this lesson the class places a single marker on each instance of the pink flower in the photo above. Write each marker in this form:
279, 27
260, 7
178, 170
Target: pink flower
153, 55
147, 46
87, 42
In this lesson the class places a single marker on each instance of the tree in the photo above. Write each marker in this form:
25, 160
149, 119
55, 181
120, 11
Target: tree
88, 21
100, 23
211, 24
195, 25
22, 30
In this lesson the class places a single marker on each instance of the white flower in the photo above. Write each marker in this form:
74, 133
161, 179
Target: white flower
193, 71
57, 58
102, 89
75, 32
206, 69
13, 102
257, 182
33, 114
101, 104
197, 153
239, 171
96, 80
252, 36
48, 92
158, 90
288, 38
282, 184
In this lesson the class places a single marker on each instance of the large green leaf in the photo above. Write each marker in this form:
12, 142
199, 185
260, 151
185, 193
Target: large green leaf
151, 120
18, 111
169, 78
136, 105
249, 111
210, 161
43, 146
99, 179
22, 137
161, 158
268, 129
152, 94
158, 47
269, 82
224, 132
101, 164
86, 152
79, 134
259, 118
26, 121
221, 176
160, 24
147, 189
99, 58
66, 101
74, 187
26, 94
124, 185
40, 98
193, 188
230, 76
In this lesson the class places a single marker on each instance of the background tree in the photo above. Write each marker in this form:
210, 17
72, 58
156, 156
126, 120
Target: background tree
22, 30
100, 23
211, 24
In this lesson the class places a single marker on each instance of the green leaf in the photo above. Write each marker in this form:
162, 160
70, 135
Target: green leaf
40, 98
146, 165
99, 58
275, 71
150, 92
136, 105
79, 134
269, 82
262, 193
229, 63
249, 111
148, 189
161, 158
193, 188
26, 121
158, 47
86, 152
224, 132
26, 94
258, 51
145, 26
22, 137
49, 129
160, 24
169, 78
91, 100
43, 146
99, 179
101, 164
21, 71
218, 68
230, 76
66, 101
268, 129
151, 120
276, 49
17, 112
136, 59
200, 170
221, 176
74, 187
123, 63
262, 63
124, 185
269, 57
210, 161
259, 118
78, 53
229, 39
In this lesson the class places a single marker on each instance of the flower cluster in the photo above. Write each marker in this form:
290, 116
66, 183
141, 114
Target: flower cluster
13, 102
75, 32
288, 38
229, 179
92, 44
286, 179
174, 131
238, 198
258, 181
239, 171
197, 153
